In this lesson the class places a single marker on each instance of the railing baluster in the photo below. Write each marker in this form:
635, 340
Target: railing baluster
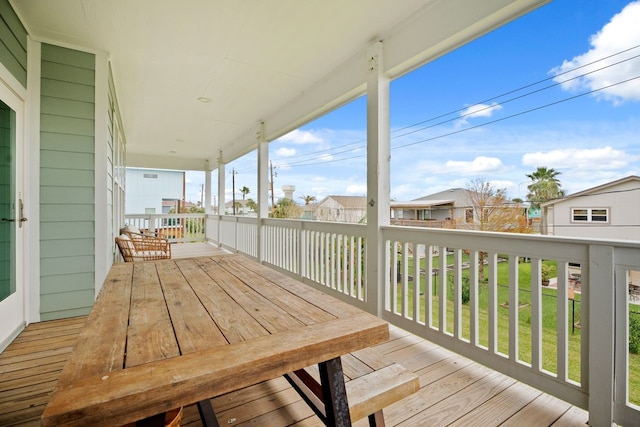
563, 324
457, 293
492, 261
428, 286
536, 315
473, 298
513, 308
442, 291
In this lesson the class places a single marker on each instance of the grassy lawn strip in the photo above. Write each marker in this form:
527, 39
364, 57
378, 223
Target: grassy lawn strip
549, 318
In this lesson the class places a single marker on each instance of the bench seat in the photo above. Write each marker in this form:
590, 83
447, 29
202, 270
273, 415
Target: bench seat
367, 394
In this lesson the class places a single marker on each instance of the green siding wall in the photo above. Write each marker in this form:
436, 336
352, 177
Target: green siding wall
67, 193
13, 43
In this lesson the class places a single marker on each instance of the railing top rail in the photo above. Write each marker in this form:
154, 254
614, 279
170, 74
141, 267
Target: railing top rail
359, 230
447, 233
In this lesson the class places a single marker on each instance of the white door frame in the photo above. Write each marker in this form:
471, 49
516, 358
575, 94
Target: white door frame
13, 308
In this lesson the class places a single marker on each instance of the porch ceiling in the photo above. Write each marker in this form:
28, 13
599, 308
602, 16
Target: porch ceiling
283, 62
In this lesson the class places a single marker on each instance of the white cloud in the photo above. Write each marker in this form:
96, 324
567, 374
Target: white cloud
357, 189
621, 33
285, 152
605, 158
477, 166
301, 137
477, 110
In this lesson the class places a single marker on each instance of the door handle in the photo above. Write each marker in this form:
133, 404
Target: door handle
21, 212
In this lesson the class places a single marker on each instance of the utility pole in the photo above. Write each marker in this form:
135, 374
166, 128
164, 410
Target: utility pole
233, 189
273, 198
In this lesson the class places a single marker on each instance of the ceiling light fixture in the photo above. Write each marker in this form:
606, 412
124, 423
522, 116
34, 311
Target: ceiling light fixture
204, 99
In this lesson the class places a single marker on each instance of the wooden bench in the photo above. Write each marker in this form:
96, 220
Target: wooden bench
371, 386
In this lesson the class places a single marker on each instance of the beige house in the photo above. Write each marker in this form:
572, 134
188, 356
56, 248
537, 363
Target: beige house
342, 209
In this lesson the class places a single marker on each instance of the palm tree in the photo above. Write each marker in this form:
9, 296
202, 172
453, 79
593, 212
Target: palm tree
544, 186
308, 199
244, 191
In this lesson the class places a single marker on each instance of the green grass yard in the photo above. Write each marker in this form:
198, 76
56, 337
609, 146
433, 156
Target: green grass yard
549, 319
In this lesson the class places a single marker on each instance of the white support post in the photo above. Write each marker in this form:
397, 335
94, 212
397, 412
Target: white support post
378, 175
207, 188
601, 317
263, 188
221, 196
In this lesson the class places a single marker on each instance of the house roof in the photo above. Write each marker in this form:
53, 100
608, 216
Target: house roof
359, 202
196, 79
597, 189
416, 204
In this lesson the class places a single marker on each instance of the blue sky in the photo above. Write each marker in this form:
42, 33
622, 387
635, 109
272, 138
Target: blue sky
494, 109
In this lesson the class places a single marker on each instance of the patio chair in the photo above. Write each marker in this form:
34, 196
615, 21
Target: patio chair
135, 232
143, 248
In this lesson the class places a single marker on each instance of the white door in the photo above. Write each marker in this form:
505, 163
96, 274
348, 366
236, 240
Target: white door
12, 220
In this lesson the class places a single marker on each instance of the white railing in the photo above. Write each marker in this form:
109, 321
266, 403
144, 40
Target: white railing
569, 338
175, 227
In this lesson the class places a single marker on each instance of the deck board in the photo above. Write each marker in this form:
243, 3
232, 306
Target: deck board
454, 390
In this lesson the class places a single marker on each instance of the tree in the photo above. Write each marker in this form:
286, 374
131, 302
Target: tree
308, 199
492, 211
544, 186
251, 204
244, 191
285, 208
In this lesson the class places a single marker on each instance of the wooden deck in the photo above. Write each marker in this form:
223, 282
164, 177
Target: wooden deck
454, 391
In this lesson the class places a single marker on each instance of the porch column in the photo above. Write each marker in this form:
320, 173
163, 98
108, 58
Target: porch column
378, 175
263, 188
221, 184
207, 188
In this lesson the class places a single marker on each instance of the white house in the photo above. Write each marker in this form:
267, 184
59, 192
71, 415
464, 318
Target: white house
151, 191
610, 211
342, 209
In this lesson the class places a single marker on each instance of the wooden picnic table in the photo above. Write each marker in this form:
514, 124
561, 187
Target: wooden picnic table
170, 333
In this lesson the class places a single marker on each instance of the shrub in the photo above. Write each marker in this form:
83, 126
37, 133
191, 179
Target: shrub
634, 332
465, 294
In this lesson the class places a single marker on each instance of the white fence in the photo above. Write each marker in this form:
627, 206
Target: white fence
175, 227
480, 295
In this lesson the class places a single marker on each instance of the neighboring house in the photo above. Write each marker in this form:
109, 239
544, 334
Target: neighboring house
452, 204
608, 211
342, 209
241, 208
308, 211
453, 208
154, 191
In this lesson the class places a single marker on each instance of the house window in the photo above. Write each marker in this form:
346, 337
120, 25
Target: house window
468, 215
590, 214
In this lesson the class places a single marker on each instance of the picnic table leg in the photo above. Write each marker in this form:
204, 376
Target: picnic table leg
207, 416
334, 393
154, 421
376, 419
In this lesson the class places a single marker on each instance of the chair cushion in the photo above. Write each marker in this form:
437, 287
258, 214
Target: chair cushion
123, 237
133, 229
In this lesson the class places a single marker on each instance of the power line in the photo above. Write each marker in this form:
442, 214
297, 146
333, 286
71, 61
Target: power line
310, 162
304, 163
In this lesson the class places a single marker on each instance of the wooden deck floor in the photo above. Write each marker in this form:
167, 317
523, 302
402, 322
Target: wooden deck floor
454, 391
